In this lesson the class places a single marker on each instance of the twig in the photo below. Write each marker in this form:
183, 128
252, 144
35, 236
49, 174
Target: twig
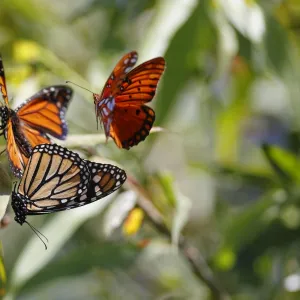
192, 254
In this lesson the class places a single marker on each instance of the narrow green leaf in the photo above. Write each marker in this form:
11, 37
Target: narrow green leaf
276, 44
245, 226
284, 163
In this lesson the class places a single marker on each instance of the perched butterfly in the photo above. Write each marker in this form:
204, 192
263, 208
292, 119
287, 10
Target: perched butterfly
120, 106
29, 124
57, 179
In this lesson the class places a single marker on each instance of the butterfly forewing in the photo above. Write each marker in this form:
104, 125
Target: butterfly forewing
3, 83
28, 126
54, 176
118, 74
56, 179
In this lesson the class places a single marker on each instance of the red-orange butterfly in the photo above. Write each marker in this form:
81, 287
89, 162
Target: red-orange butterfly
120, 106
29, 124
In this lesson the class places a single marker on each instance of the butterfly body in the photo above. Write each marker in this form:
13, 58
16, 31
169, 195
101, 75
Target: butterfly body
57, 179
121, 105
30, 124
105, 108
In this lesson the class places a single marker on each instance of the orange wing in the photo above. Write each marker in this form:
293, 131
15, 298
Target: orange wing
132, 121
45, 111
139, 86
131, 124
18, 149
118, 74
29, 125
3, 83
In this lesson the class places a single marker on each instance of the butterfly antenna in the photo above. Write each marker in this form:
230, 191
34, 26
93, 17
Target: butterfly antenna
79, 86
39, 234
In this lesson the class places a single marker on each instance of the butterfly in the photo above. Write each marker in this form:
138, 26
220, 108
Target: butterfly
121, 105
57, 179
30, 124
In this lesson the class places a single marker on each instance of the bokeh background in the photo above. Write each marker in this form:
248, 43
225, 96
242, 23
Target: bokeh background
211, 206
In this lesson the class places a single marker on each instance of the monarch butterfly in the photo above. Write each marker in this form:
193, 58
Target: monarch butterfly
120, 106
29, 124
57, 179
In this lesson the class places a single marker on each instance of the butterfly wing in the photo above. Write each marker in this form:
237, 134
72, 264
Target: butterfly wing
54, 179
18, 149
118, 74
45, 112
139, 85
3, 83
105, 179
131, 124
57, 179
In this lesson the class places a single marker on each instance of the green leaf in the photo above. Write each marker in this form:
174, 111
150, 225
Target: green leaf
181, 217
245, 226
181, 58
58, 230
3, 277
118, 211
284, 163
276, 44
85, 258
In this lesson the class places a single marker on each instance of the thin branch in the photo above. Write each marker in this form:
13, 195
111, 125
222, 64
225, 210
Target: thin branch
192, 254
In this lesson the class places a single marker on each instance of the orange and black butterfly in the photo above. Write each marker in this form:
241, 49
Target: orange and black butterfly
121, 105
30, 124
57, 179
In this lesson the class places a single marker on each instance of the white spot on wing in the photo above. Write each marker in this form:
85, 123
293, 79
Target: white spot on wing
96, 178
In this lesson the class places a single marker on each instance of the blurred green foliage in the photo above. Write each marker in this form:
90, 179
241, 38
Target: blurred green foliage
222, 175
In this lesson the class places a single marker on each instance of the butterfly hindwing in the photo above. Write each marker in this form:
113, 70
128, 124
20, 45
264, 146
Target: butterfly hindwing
45, 111
131, 124
105, 179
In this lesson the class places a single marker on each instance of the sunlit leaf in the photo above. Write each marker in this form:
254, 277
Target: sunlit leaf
284, 163
246, 16
181, 217
225, 259
118, 211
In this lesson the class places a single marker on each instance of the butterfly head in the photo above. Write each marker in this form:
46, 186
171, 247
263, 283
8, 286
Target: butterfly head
4, 117
19, 207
